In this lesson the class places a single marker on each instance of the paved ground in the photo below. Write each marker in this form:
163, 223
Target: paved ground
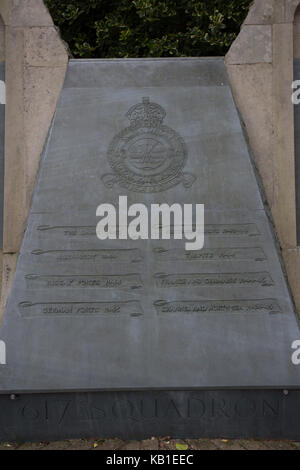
156, 444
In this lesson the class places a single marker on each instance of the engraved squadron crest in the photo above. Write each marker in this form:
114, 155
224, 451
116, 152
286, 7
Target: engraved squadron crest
147, 156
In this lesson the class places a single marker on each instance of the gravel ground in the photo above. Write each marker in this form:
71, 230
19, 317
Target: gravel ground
155, 444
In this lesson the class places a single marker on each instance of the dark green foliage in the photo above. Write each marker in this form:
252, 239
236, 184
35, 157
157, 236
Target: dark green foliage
148, 28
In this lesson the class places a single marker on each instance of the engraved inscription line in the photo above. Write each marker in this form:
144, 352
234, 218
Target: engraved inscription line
104, 281
213, 279
218, 306
30, 309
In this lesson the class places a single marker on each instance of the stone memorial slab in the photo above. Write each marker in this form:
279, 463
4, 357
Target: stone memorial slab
97, 315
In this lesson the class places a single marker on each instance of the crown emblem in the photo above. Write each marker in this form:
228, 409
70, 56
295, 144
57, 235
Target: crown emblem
146, 114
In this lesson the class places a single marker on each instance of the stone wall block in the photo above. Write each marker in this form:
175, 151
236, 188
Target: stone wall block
27, 13
43, 48
262, 12
253, 45
252, 89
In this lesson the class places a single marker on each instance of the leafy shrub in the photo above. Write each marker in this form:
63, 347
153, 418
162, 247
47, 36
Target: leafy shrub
148, 28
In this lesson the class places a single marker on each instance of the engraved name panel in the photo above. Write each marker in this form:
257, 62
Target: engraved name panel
131, 255
132, 308
111, 281
216, 230
218, 306
231, 230
213, 279
224, 230
68, 231
210, 254
146, 408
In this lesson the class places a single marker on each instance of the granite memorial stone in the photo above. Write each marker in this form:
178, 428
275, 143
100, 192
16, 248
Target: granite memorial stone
143, 316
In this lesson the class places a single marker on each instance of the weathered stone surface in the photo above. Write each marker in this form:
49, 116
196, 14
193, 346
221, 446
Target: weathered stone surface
252, 89
40, 97
14, 191
297, 35
291, 258
5, 10
86, 314
271, 12
36, 62
29, 13
9, 262
2, 40
25, 13
253, 45
271, 128
283, 138
290, 10
262, 12
297, 151
44, 48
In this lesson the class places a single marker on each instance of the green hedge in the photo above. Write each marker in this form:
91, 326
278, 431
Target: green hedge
148, 28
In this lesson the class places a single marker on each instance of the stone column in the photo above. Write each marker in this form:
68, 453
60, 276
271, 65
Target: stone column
260, 68
36, 61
